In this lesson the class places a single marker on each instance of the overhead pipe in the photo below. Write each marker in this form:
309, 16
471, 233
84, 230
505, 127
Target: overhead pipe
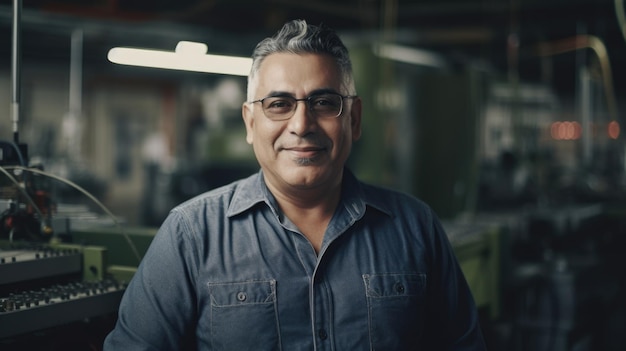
594, 43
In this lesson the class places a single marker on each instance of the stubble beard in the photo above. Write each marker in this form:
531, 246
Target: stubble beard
304, 161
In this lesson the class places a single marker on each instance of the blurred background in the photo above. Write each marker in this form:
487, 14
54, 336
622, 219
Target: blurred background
505, 116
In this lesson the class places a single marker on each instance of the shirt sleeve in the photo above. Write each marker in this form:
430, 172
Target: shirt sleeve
455, 323
157, 311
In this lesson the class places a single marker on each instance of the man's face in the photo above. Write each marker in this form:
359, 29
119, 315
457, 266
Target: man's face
302, 152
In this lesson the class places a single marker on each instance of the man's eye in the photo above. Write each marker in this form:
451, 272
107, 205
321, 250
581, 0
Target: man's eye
279, 104
321, 102
325, 101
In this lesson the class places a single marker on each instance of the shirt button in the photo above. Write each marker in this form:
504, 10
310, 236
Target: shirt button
241, 296
322, 334
399, 288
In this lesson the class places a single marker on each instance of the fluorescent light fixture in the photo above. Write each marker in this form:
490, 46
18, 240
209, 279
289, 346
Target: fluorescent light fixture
410, 55
188, 56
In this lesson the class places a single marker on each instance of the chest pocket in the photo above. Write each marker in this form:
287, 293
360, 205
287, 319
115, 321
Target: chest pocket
395, 304
244, 316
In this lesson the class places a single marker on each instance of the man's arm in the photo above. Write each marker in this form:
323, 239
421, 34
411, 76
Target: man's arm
453, 311
157, 311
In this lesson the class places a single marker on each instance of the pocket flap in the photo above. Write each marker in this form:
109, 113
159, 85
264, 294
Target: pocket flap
240, 293
394, 284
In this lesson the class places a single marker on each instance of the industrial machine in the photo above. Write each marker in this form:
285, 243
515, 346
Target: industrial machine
52, 281
56, 293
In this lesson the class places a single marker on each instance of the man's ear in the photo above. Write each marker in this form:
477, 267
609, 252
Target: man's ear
248, 120
355, 118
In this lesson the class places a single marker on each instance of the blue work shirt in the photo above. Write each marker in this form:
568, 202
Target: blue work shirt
228, 271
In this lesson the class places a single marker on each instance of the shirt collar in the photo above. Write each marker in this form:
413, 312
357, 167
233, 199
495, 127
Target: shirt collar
249, 192
355, 197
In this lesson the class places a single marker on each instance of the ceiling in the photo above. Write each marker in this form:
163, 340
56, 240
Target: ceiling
463, 30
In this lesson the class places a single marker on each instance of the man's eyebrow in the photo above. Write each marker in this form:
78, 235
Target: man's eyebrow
276, 93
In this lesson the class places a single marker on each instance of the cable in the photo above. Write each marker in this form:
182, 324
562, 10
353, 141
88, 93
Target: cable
18, 152
92, 198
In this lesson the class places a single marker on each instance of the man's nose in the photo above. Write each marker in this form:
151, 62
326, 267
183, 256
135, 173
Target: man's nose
303, 120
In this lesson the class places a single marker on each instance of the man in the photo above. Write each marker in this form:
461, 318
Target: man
300, 256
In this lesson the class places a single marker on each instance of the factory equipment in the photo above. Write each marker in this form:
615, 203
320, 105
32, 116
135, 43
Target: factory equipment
49, 282
49, 278
43, 286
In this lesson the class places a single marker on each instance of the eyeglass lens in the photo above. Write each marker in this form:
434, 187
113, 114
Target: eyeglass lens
322, 105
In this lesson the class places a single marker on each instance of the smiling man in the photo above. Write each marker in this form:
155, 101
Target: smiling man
301, 255
302, 129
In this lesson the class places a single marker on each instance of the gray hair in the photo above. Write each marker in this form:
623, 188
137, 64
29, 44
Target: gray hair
298, 37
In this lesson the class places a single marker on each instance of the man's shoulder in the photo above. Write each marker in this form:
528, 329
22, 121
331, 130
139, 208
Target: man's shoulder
224, 195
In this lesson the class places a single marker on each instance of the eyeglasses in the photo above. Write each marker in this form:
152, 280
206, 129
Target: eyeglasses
326, 105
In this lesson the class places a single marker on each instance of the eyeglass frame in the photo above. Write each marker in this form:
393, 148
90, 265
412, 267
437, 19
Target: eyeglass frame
306, 101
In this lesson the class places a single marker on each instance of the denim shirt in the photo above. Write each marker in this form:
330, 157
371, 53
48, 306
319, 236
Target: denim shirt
227, 271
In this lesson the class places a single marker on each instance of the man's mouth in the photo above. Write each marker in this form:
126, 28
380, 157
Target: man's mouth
305, 151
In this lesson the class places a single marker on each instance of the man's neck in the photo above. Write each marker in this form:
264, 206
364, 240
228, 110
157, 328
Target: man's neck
309, 209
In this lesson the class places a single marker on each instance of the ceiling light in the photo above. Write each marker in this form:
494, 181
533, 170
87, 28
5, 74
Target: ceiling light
188, 56
410, 55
